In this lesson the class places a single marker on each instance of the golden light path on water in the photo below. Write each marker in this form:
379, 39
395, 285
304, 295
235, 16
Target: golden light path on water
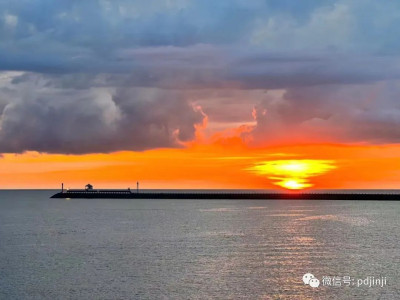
293, 174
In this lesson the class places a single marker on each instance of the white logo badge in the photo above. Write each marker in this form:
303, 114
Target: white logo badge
310, 279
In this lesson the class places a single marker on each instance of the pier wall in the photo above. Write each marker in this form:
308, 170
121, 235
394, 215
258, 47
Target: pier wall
222, 195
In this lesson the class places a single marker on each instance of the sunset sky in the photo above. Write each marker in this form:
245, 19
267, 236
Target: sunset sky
200, 94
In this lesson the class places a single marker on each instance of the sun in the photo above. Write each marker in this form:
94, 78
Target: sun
293, 174
293, 184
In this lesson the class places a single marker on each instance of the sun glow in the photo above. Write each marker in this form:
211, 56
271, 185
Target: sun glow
293, 174
211, 167
294, 184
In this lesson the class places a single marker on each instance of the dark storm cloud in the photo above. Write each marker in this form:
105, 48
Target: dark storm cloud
202, 44
203, 67
97, 121
100, 76
213, 42
348, 113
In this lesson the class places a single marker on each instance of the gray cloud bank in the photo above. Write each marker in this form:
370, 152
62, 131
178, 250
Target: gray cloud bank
101, 76
331, 113
88, 121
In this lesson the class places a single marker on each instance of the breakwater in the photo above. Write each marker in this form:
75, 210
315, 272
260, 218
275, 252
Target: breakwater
128, 194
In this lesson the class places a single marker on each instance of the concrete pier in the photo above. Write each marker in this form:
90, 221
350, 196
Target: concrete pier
128, 194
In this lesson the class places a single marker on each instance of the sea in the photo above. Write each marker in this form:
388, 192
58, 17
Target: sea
197, 249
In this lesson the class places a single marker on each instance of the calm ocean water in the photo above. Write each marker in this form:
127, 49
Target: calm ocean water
195, 249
